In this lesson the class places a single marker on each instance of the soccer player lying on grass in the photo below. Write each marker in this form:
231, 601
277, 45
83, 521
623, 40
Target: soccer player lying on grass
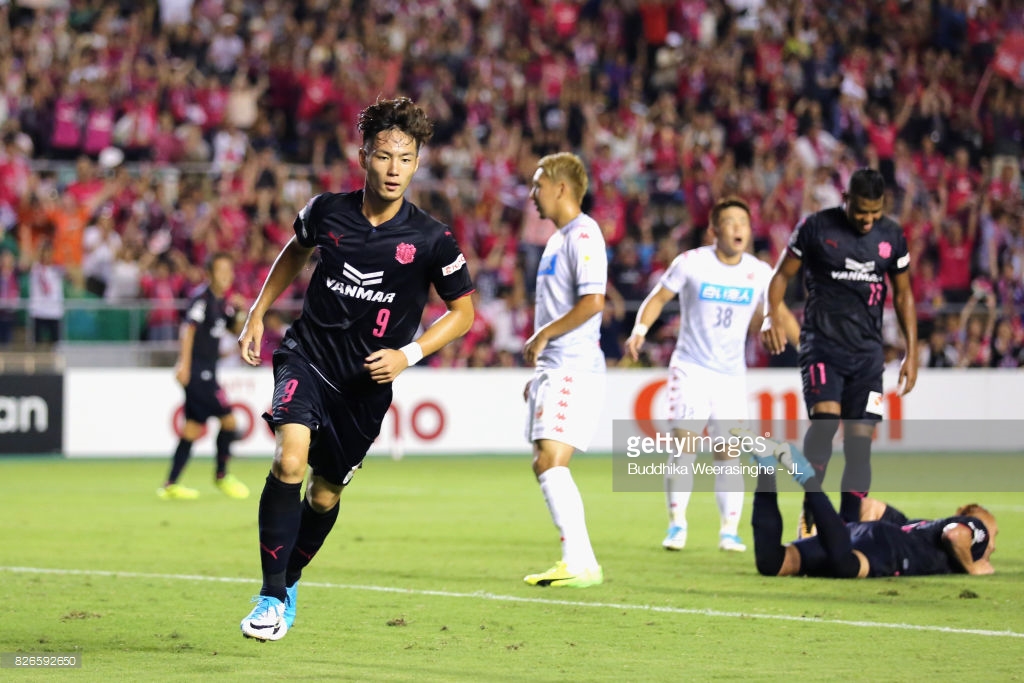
963, 543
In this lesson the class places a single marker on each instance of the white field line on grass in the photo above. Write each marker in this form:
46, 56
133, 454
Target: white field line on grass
536, 601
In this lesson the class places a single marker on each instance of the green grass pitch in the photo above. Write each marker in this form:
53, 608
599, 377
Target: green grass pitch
421, 580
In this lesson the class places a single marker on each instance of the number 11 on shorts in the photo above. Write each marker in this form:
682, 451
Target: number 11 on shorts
820, 368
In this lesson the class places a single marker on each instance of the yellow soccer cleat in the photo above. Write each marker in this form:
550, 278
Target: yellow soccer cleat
232, 488
176, 492
559, 575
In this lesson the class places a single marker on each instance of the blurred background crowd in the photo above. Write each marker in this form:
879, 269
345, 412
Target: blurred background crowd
140, 136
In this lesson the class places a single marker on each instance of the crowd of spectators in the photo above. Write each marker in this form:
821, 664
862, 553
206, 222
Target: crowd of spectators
138, 137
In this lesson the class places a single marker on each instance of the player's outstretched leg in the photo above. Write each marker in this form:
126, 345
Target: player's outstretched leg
766, 520
778, 454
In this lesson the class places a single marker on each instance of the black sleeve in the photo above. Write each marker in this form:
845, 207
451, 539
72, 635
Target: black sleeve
800, 237
980, 541
306, 221
894, 516
449, 272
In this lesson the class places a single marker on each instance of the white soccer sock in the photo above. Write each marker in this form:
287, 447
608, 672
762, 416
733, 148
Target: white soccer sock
729, 496
566, 507
678, 487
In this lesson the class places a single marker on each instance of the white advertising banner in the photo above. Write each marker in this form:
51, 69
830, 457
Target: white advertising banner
138, 412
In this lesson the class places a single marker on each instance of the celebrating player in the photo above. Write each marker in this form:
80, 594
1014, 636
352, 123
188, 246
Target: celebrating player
565, 396
846, 252
720, 289
378, 255
208, 316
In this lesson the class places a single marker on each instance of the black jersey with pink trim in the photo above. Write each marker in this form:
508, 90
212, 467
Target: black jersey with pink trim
211, 317
845, 274
916, 548
370, 283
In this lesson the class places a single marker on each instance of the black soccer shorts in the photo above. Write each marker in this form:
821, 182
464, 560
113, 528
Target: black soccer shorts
344, 420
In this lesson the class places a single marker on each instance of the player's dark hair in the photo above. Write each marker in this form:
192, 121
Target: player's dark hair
727, 203
867, 183
216, 256
400, 113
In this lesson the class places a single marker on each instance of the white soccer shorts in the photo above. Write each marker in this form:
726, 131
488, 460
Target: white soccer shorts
698, 397
565, 406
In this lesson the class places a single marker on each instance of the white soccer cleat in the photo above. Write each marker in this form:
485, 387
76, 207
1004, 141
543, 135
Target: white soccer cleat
266, 620
676, 538
731, 543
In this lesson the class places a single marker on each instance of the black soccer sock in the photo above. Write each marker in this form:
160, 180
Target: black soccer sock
224, 440
856, 476
765, 481
818, 446
181, 455
833, 534
769, 553
279, 518
312, 533
818, 451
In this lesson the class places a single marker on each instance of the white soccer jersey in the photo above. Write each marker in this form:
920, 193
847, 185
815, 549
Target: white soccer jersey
716, 302
574, 264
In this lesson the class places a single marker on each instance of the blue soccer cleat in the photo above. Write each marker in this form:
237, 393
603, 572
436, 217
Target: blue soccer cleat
289, 604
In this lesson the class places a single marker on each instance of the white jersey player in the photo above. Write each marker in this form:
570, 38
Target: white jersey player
720, 289
565, 395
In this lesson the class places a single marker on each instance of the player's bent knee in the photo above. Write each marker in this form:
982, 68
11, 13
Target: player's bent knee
289, 466
548, 454
790, 565
322, 499
192, 430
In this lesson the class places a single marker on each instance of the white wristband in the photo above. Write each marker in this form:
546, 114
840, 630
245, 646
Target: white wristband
413, 353
639, 330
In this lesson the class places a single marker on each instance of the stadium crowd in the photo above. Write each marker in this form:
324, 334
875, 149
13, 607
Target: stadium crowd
139, 137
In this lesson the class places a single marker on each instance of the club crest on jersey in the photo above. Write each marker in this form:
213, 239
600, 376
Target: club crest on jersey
405, 253
884, 249
726, 294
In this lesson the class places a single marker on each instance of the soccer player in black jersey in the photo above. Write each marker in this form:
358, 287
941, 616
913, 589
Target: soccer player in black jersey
847, 253
377, 257
890, 546
208, 317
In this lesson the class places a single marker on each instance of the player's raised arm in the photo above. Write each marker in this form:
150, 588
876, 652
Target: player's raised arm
646, 316
779, 323
287, 266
